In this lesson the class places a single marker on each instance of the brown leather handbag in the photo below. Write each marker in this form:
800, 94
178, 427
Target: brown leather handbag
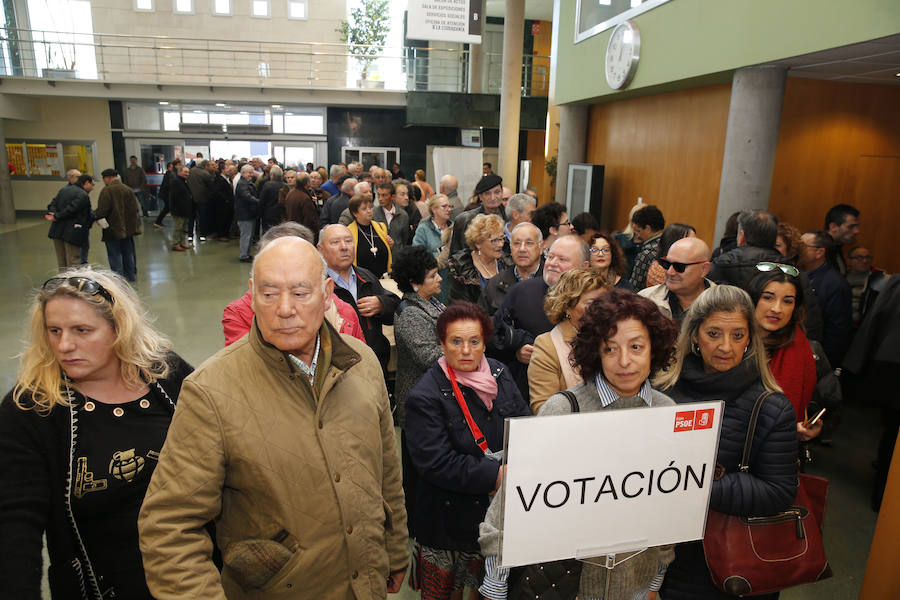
747, 556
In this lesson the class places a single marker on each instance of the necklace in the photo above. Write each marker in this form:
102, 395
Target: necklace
369, 238
484, 267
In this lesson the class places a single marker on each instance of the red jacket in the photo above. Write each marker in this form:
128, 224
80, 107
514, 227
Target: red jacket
794, 369
238, 316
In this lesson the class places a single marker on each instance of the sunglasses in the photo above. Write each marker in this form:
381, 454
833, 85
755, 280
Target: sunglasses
82, 284
678, 266
766, 267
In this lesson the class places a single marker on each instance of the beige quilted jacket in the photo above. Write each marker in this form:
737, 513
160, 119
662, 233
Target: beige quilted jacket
305, 491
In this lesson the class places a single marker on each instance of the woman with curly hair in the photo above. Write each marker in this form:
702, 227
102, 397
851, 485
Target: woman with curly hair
608, 260
473, 267
549, 370
788, 242
622, 341
80, 434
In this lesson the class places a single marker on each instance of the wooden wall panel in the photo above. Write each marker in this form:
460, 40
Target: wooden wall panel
840, 142
665, 148
539, 178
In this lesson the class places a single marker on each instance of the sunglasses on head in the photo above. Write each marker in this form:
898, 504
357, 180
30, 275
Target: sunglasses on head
766, 267
82, 284
678, 266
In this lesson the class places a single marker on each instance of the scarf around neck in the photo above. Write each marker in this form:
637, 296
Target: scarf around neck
480, 380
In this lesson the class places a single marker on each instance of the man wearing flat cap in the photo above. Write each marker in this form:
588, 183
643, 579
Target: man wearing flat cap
122, 211
490, 194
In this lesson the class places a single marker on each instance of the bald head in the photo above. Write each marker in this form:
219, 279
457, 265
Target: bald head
448, 184
289, 286
689, 249
348, 185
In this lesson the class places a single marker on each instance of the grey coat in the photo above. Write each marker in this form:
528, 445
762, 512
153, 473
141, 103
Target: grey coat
415, 333
629, 579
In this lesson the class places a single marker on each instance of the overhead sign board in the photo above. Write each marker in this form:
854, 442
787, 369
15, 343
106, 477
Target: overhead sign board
598, 483
445, 20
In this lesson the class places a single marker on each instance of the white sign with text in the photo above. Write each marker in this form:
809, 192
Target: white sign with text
445, 20
598, 483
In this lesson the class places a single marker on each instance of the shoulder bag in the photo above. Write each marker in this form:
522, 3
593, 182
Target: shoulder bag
752, 555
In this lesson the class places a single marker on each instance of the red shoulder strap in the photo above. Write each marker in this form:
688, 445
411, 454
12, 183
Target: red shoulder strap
473, 426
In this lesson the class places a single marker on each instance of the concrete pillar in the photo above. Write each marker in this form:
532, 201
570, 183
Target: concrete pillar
477, 62
511, 91
7, 207
751, 139
573, 127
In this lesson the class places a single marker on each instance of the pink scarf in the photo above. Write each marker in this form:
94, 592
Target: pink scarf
479, 380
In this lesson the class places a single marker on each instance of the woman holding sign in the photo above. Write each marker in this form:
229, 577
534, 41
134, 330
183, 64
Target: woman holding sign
721, 355
454, 430
622, 339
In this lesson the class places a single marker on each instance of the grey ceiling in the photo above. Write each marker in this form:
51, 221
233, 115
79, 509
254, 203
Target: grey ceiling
875, 61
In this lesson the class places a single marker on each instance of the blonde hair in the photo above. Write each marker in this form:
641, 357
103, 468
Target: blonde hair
140, 348
629, 230
432, 202
566, 293
482, 227
726, 299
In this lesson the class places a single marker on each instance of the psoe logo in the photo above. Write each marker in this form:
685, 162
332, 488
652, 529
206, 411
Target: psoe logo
704, 419
684, 420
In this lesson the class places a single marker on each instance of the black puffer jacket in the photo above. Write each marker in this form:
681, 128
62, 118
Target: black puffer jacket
72, 209
35, 459
737, 267
771, 484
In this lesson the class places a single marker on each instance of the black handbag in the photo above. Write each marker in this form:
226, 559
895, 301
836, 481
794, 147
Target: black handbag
556, 580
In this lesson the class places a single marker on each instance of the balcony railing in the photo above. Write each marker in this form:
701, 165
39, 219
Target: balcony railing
161, 60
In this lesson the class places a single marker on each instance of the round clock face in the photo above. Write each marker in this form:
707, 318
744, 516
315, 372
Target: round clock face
622, 54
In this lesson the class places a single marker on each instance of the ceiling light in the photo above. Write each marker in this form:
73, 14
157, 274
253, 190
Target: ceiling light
277, 106
220, 104
164, 103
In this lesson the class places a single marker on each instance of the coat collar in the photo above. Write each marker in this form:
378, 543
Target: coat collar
342, 356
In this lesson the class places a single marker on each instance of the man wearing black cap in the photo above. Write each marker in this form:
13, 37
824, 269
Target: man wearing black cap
490, 193
122, 213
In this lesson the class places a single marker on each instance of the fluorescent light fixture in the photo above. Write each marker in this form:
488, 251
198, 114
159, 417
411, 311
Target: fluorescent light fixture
220, 104
164, 103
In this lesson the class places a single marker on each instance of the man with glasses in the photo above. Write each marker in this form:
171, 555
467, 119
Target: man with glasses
521, 316
865, 282
528, 262
686, 265
832, 291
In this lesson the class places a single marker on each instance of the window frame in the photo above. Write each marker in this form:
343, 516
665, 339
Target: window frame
268, 14
139, 9
305, 4
216, 13
183, 12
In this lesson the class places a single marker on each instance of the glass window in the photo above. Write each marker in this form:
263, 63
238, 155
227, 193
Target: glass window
48, 160
194, 117
263, 69
303, 123
297, 9
222, 7
171, 120
143, 5
184, 6
259, 8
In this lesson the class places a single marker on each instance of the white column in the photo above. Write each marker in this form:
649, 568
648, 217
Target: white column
7, 207
573, 132
511, 91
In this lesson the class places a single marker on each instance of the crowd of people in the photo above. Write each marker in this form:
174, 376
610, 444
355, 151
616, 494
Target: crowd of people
279, 475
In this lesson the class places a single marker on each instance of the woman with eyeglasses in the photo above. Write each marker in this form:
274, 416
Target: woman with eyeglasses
80, 434
608, 261
470, 269
454, 429
779, 313
720, 355
549, 370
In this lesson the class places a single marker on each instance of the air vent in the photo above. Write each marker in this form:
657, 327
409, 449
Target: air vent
250, 129
199, 128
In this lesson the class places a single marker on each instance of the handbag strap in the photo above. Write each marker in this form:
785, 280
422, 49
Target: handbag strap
744, 467
473, 426
573, 401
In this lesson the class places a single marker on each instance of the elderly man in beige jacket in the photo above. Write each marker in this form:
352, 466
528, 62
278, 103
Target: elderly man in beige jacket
285, 441
686, 265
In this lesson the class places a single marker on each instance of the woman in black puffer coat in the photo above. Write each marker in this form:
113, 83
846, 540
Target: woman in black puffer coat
721, 356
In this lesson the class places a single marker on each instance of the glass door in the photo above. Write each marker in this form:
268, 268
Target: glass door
368, 156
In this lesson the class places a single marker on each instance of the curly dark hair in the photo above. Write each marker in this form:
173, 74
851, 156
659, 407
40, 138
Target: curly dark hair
464, 311
618, 264
599, 324
411, 265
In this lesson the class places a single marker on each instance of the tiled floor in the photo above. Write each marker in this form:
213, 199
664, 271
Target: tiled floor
186, 293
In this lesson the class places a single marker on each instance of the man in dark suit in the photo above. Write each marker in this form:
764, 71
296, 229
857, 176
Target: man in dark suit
395, 217
359, 288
